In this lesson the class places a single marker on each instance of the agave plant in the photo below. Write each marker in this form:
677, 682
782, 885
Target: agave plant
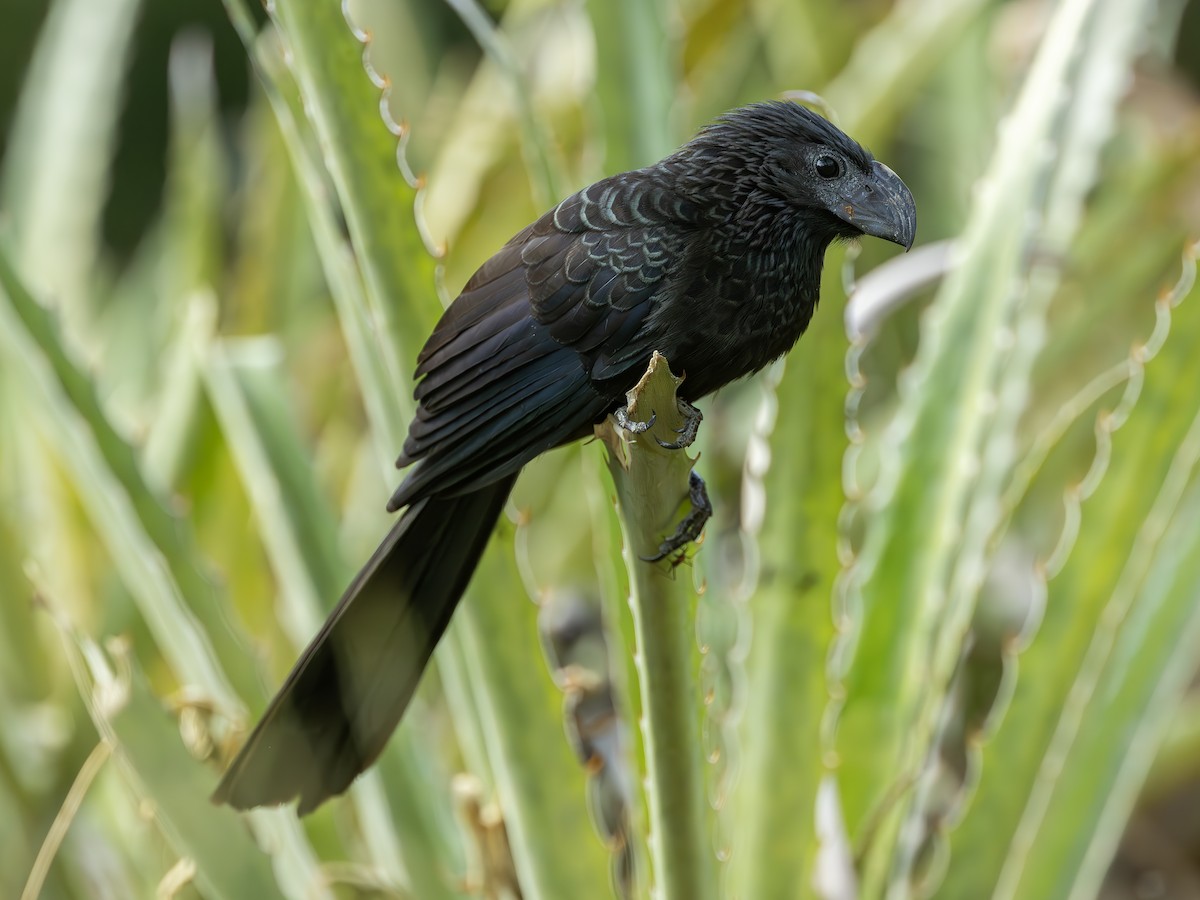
939, 637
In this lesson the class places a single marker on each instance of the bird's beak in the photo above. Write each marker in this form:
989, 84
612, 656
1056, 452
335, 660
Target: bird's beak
882, 207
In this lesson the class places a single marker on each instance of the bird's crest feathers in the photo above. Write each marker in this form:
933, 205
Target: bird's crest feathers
772, 119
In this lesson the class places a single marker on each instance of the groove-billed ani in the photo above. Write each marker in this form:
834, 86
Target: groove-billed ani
712, 256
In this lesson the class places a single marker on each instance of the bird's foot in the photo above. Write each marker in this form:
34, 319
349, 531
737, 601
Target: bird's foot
623, 420
687, 432
693, 523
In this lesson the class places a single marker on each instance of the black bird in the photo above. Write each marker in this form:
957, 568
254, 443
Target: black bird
712, 256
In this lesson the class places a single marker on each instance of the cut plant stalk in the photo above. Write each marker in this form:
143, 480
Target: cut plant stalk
651, 484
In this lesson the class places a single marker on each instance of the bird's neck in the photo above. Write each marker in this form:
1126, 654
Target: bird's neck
786, 251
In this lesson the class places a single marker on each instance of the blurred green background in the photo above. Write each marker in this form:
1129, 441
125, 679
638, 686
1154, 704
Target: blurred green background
947, 618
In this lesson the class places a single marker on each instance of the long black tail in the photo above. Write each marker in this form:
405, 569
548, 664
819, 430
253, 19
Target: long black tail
345, 696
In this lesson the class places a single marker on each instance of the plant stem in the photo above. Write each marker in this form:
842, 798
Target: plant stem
650, 484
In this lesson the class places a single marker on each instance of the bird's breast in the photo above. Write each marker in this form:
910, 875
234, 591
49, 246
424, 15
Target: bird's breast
736, 305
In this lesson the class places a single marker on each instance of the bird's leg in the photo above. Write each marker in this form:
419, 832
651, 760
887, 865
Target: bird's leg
622, 417
693, 523
687, 432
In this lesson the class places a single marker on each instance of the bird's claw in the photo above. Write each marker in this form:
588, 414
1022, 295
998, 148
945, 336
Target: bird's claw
687, 432
693, 523
623, 420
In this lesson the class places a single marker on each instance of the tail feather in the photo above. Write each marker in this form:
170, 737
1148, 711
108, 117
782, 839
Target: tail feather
345, 696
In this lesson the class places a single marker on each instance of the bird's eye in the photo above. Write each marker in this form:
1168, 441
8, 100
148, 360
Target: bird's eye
828, 167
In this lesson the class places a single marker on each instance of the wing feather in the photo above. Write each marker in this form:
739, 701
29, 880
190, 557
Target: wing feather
511, 369
486, 402
549, 410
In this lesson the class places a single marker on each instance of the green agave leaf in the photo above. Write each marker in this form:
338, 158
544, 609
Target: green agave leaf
539, 783
24, 471
1103, 756
344, 99
150, 548
388, 406
803, 42
798, 498
243, 381
181, 395
149, 375
930, 519
545, 169
524, 87
784, 761
892, 60
1059, 776
140, 534
146, 743
636, 83
55, 177
791, 632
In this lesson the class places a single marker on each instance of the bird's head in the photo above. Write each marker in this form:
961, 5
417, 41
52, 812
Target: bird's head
800, 160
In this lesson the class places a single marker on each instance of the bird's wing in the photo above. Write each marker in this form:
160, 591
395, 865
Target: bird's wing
597, 264
535, 348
